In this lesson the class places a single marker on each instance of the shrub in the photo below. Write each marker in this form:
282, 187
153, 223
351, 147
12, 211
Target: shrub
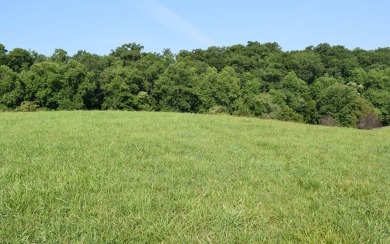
3, 108
218, 110
27, 106
328, 120
143, 101
369, 121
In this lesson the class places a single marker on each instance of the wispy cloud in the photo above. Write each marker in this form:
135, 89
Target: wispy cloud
174, 20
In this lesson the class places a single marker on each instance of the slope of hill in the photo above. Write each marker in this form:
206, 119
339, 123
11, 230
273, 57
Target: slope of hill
165, 177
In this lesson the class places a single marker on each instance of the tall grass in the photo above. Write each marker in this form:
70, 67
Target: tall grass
183, 178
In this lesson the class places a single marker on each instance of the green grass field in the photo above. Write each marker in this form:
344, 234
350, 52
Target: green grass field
141, 177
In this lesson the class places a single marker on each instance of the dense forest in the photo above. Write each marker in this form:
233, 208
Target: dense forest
323, 84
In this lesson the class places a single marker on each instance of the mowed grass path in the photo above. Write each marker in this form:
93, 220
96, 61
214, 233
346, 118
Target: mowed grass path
184, 178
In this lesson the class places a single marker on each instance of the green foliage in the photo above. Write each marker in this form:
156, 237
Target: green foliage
358, 76
307, 65
338, 61
27, 106
19, 59
226, 89
206, 90
250, 85
218, 109
10, 88
344, 104
380, 98
120, 86
310, 112
378, 78
248, 80
3, 55
328, 120
263, 105
55, 85
175, 89
60, 56
128, 52
78, 87
369, 121
143, 101
321, 84
293, 84
43, 83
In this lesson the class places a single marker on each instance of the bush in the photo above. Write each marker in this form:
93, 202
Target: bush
3, 108
369, 121
27, 106
143, 101
218, 110
328, 120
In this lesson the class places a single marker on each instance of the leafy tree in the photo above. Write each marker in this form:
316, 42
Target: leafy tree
226, 89
283, 100
60, 56
10, 88
42, 84
19, 59
271, 76
128, 52
373, 59
3, 55
297, 98
144, 101
307, 65
95, 65
381, 100
150, 67
205, 90
56, 85
358, 76
263, 105
78, 87
120, 86
168, 56
216, 57
250, 85
93, 62
321, 84
38, 57
175, 90
378, 78
310, 112
292, 83
338, 60
344, 104
239, 60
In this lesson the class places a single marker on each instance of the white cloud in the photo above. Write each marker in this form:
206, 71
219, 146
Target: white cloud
175, 21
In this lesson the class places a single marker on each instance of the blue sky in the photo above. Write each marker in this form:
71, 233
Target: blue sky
100, 26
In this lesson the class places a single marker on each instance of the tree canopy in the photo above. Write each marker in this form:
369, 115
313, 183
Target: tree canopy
320, 84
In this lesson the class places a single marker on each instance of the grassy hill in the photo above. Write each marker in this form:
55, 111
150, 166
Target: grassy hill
185, 178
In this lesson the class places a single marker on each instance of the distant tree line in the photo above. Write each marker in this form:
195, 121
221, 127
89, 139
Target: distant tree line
324, 84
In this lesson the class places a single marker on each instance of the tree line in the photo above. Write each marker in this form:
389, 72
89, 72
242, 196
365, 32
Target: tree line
321, 84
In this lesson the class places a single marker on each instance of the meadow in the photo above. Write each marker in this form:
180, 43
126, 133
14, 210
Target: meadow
147, 177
